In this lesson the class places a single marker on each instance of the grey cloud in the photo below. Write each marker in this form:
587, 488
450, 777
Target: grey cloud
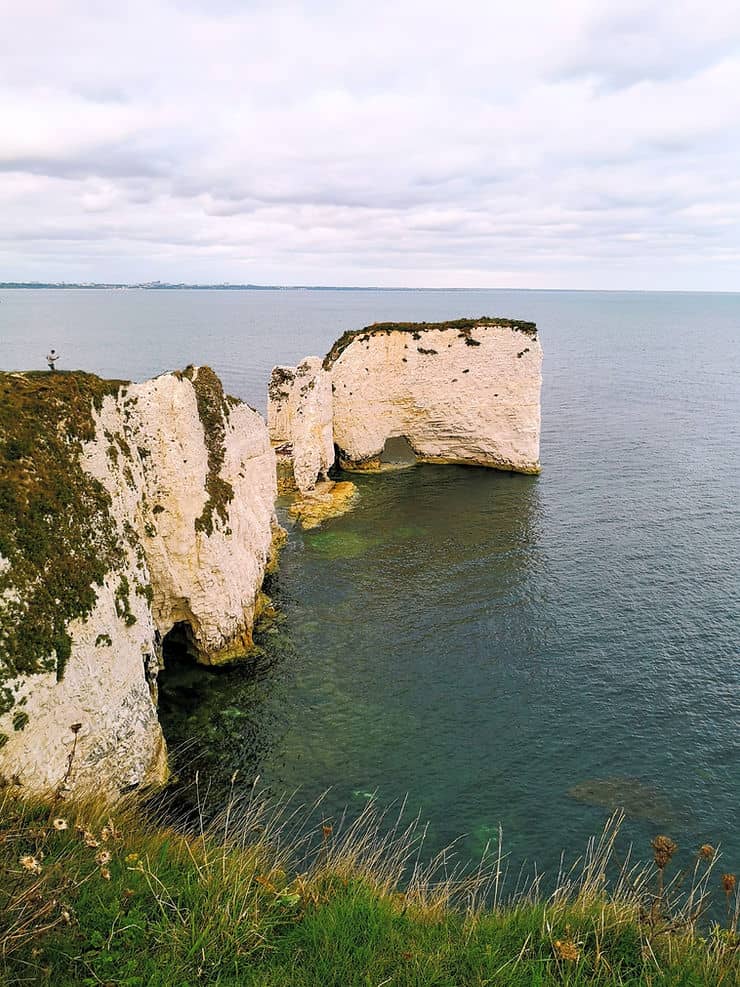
623, 45
330, 143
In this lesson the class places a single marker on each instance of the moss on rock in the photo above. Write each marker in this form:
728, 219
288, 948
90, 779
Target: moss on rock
213, 408
57, 538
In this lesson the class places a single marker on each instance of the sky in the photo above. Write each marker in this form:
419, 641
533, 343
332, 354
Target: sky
475, 143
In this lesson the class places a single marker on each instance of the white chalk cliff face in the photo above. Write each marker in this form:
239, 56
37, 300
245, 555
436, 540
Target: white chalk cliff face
206, 574
191, 480
300, 414
467, 395
465, 392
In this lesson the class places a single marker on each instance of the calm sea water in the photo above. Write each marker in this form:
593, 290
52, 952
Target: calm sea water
504, 649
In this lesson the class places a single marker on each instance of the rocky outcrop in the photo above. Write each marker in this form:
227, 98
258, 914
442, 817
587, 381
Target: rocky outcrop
458, 392
299, 416
466, 391
133, 509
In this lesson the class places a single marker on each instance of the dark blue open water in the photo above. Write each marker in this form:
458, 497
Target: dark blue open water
503, 649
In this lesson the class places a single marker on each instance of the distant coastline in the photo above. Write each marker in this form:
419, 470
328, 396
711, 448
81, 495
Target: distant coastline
168, 286
182, 286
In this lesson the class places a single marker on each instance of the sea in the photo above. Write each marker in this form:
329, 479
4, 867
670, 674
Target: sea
505, 653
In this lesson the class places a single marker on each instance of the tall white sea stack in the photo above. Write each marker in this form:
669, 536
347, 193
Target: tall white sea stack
299, 415
465, 391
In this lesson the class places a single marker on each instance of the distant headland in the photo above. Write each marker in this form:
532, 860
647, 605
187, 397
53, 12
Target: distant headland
182, 286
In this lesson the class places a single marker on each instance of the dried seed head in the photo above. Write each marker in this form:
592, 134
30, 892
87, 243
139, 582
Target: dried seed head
566, 950
728, 883
105, 873
327, 831
76, 727
663, 850
60, 824
706, 851
89, 839
30, 863
102, 858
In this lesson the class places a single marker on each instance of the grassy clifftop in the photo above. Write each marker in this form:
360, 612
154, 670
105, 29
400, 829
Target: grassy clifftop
463, 326
56, 538
90, 896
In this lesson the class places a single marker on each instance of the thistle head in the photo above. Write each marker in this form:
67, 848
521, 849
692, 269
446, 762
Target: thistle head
663, 850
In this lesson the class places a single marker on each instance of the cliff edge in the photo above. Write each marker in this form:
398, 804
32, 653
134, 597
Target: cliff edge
127, 510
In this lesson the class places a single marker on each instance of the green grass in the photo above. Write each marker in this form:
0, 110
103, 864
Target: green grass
51, 511
269, 897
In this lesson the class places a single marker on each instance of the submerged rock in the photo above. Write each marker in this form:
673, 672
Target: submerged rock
338, 544
130, 510
638, 800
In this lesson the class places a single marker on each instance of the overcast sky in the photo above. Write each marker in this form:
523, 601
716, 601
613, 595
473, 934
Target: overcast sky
577, 144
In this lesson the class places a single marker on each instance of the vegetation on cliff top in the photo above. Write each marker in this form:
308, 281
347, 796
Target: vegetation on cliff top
213, 408
272, 897
464, 327
56, 535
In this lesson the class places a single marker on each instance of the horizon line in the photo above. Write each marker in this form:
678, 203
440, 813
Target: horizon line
246, 286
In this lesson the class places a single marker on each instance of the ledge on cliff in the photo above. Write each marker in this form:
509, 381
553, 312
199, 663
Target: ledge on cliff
271, 894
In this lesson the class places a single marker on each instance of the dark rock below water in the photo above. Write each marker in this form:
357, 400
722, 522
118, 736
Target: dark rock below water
638, 800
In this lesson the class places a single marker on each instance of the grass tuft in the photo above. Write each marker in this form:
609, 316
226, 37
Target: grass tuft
272, 894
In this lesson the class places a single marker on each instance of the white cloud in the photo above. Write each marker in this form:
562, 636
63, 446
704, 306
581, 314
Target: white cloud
558, 145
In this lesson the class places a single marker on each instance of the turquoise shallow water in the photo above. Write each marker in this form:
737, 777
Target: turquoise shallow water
503, 649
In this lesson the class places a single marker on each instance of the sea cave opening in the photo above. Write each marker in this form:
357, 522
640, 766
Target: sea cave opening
178, 644
181, 680
216, 720
398, 451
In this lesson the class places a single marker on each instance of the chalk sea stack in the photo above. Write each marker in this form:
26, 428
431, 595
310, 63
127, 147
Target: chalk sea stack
465, 391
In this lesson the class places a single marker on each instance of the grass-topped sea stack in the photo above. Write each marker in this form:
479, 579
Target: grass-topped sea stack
465, 391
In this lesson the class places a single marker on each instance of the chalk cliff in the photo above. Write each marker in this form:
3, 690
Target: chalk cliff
130, 508
466, 391
299, 414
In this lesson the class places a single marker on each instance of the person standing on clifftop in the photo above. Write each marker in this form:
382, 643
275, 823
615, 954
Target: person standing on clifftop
51, 358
